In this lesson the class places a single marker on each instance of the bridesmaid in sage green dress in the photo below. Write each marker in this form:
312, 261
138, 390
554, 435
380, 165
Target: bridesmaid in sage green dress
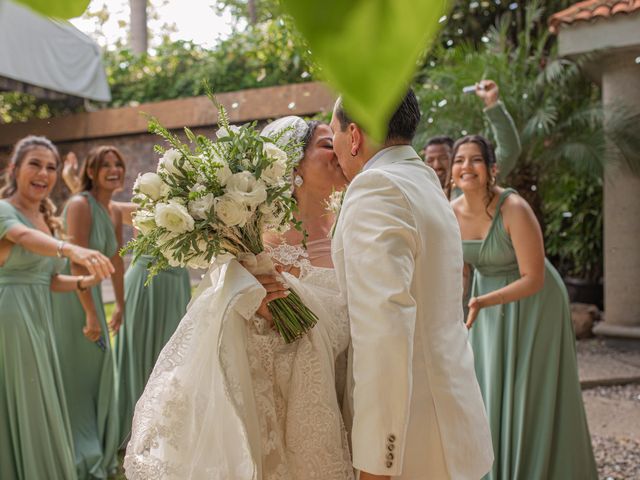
89, 366
152, 314
521, 330
35, 436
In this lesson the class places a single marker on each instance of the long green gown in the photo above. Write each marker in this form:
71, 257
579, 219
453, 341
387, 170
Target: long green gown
525, 361
35, 436
152, 314
89, 371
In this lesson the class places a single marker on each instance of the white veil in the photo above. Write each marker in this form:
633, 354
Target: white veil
287, 130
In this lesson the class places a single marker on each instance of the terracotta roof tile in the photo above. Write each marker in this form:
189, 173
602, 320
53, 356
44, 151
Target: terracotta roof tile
590, 10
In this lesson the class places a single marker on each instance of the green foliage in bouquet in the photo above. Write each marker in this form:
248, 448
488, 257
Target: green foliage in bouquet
211, 199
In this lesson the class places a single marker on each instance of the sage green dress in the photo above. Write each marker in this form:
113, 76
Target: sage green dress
89, 371
35, 436
152, 314
525, 361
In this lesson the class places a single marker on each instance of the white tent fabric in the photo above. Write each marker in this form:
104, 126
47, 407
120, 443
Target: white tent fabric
50, 54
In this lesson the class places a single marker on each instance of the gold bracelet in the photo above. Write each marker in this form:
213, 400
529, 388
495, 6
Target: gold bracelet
79, 284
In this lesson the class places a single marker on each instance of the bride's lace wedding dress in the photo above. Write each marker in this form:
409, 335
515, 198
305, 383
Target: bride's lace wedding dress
228, 399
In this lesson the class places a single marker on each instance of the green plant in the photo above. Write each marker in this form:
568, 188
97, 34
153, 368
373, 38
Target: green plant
57, 8
558, 111
573, 232
260, 56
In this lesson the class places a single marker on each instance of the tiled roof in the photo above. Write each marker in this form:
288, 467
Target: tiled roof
591, 10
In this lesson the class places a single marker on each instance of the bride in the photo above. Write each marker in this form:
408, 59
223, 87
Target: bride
228, 399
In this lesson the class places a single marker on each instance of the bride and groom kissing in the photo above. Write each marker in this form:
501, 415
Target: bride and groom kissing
382, 387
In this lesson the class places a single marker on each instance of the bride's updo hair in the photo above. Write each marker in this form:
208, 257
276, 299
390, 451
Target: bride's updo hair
20, 151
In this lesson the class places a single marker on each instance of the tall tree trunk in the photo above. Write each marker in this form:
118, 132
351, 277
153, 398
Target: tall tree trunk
253, 13
138, 26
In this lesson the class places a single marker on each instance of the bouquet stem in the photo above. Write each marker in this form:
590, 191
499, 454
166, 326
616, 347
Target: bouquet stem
291, 317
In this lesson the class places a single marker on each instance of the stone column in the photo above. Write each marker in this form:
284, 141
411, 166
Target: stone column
621, 86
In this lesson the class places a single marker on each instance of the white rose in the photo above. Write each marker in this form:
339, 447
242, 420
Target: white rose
167, 250
199, 260
144, 221
223, 174
174, 217
149, 184
168, 162
272, 151
230, 211
201, 207
165, 190
271, 218
244, 188
223, 132
273, 222
275, 172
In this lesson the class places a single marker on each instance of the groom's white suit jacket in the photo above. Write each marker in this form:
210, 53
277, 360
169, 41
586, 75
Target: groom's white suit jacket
416, 404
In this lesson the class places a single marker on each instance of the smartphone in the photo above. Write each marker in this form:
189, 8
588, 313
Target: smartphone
472, 89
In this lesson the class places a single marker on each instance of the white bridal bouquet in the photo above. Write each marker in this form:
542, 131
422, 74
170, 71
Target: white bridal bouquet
211, 198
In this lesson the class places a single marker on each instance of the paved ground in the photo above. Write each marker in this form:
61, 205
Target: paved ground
613, 411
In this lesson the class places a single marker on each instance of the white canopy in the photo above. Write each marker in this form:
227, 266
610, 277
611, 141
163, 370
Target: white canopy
50, 54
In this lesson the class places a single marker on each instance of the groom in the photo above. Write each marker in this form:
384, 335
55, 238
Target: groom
416, 405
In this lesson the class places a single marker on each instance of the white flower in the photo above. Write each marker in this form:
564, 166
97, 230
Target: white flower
271, 217
272, 151
231, 211
275, 172
200, 208
167, 250
149, 184
199, 260
169, 162
164, 190
144, 221
334, 202
223, 174
246, 190
174, 217
223, 132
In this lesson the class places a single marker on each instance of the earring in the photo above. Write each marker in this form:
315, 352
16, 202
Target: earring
297, 180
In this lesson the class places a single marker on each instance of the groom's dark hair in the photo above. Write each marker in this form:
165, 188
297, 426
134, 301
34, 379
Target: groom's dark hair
403, 123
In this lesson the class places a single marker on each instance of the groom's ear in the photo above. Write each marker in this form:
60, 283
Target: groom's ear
357, 136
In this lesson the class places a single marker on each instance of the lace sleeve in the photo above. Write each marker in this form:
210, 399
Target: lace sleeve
289, 256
